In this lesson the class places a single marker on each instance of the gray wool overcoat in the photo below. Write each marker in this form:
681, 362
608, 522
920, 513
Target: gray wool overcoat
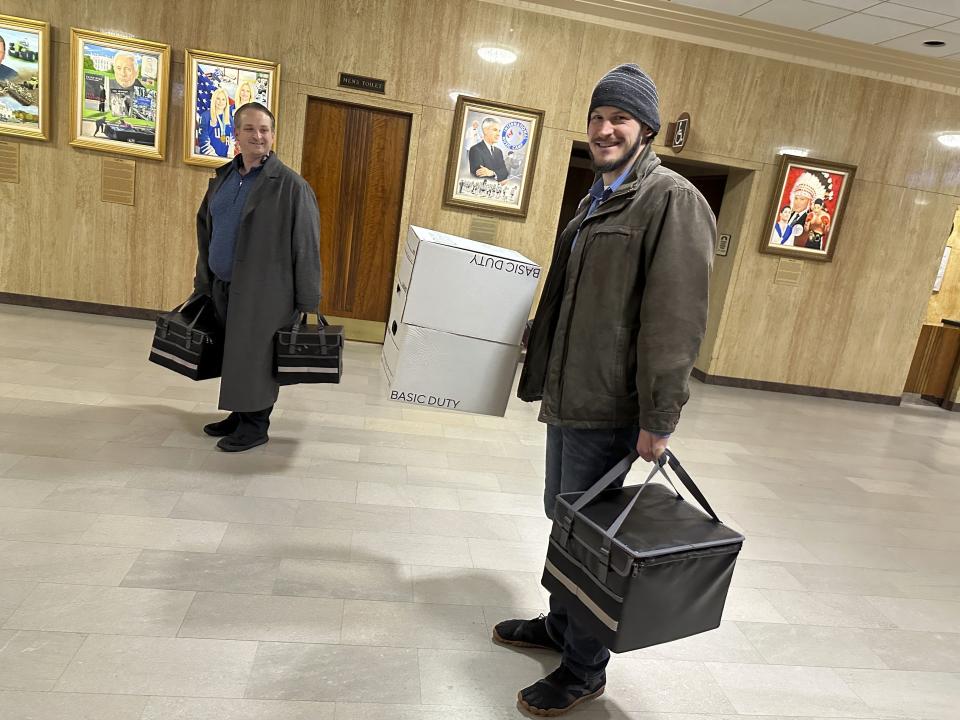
276, 270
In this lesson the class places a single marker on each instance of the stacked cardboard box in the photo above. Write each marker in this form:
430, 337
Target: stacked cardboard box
458, 314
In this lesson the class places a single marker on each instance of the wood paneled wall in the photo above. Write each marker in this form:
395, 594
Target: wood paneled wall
946, 303
851, 324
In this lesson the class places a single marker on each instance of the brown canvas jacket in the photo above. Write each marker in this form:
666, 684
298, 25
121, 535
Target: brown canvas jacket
622, 316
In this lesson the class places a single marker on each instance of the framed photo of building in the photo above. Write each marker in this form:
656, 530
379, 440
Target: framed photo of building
808, 204
119, 94
216, 87
493, 154
24, 78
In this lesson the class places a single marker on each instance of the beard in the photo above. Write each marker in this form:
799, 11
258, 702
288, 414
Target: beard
620, 162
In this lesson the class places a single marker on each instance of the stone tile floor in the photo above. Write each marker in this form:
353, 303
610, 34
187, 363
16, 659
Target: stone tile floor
352, 567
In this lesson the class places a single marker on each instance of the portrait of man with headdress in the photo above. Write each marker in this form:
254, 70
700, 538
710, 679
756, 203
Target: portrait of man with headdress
807, 207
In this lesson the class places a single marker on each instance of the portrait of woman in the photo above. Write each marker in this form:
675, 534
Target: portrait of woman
216, 126
780, 235
218, 86
244, 95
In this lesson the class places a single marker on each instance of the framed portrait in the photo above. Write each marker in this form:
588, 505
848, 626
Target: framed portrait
24, 78
119, 94
493, 153
216, 87
807, 207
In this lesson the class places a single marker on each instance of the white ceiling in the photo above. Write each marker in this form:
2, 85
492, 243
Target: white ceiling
898, 24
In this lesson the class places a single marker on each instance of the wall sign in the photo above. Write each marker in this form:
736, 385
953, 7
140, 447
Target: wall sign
359, 82
789, 272
679, 132
118, 178
723, 245
9, 162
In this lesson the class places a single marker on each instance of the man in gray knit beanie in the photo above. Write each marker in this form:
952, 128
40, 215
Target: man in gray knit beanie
610, 352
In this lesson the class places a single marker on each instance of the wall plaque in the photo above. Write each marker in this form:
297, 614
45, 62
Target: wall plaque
9, 162
359, 82
679, 132
117, 181
723, 244
788, 272
483, 229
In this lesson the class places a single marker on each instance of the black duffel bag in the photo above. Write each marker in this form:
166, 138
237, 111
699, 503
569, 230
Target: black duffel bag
639, 565
188, 340
308, 353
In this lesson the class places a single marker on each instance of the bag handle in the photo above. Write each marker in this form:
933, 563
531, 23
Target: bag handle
196, 297
302, 320
188, 303
566, 522
623, 466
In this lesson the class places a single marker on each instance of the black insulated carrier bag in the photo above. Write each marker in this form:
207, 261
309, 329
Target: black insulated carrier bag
188, 340
309, 353
639, 565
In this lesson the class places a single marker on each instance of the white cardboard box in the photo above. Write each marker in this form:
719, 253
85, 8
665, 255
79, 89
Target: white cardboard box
432, 368
465, 287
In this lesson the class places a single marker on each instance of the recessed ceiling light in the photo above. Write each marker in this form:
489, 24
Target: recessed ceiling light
934, 43
951, 140
501, 56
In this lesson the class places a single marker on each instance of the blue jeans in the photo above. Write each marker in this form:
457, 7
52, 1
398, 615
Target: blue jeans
576, 459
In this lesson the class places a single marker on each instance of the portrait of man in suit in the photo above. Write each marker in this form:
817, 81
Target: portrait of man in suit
486, 159
492, 156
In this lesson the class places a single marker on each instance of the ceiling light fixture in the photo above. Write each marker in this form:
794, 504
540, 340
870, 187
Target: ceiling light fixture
934, 43
500, 56
950, 140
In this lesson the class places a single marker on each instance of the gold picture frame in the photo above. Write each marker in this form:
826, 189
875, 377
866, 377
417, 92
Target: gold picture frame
24, 91
505, 187
119, 94
231, 81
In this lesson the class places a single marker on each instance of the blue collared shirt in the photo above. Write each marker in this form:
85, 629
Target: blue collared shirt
226, 208
600, 195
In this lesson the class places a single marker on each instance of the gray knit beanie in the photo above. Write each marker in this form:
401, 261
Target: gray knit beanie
629, 88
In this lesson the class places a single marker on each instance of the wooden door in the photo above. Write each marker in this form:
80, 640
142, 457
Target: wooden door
355, 158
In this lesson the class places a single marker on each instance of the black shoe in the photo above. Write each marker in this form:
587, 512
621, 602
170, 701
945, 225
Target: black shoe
235, 444
223, 428
525, 633
559, 692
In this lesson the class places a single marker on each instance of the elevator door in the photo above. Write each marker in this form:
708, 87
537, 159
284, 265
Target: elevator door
355, 159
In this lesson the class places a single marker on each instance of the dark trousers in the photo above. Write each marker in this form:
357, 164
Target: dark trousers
250, 425
576, 459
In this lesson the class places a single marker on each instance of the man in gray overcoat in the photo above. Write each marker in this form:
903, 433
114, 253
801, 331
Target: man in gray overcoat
258, 236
